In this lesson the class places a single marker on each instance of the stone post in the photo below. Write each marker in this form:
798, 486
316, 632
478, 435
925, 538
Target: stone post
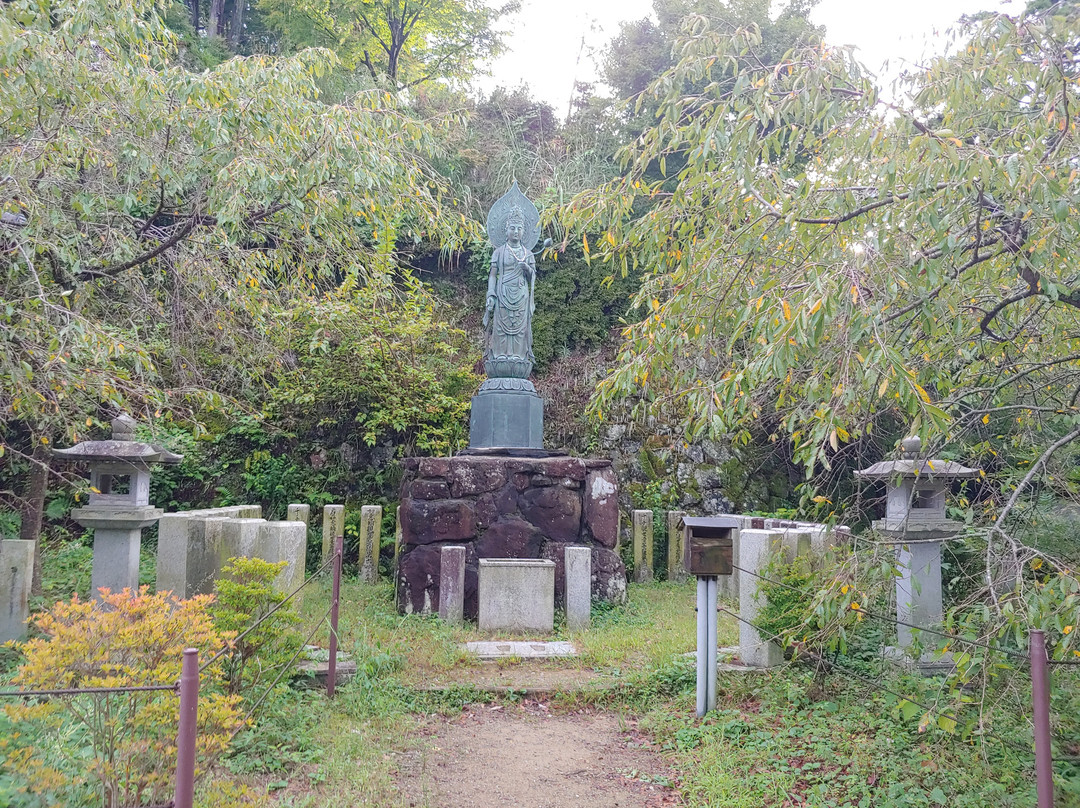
240, 539
755, 548
284, 541
642, 522
821, 539
370, 536
675, 546
251, 512
189, 552
333, 525
16, 569
172, 555
452, 584
299, 513
578, 565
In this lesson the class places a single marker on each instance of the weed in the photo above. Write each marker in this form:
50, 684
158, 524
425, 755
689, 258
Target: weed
284, 737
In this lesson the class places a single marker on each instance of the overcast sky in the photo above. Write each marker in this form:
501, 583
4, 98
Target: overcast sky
546, 51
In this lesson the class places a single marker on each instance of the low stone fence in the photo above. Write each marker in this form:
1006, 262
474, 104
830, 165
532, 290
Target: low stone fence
193, 546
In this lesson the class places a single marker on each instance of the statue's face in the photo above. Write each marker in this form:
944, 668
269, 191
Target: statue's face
514, 232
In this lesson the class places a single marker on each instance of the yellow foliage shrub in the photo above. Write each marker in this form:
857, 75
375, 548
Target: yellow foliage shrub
227, 794
127, 639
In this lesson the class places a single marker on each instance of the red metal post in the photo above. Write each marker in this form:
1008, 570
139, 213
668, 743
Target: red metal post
1040, 698
185, 741
331, 669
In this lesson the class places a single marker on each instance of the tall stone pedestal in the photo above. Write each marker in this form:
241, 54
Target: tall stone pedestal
506, 507
117, 536
507, 412
918, 589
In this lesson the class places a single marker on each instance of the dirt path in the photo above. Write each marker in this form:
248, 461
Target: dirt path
524, 756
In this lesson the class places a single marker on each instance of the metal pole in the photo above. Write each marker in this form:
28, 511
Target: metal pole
710, 610
331, 668
702, 645
1040, 700
185, 741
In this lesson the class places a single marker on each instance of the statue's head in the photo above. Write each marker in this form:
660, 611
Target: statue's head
515, 224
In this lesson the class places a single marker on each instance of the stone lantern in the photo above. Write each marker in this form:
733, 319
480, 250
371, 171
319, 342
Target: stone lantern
119, 506
915, 520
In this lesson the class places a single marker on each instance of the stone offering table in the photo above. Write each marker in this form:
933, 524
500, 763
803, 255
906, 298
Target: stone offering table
500, 506
516, 594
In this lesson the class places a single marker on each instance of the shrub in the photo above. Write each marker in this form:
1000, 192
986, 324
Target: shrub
245, 594
227, 794
126, 742
788, 596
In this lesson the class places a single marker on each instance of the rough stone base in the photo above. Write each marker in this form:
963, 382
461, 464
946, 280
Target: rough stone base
506, 507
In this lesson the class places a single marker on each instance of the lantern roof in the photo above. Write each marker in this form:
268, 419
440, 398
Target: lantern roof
120, 449
913, 466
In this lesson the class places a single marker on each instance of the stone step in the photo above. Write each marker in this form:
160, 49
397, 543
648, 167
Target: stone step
497, 649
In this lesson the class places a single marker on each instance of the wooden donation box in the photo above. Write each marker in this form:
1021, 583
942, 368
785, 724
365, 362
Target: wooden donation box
709, 543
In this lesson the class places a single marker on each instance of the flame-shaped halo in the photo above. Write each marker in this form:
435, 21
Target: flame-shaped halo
496, 220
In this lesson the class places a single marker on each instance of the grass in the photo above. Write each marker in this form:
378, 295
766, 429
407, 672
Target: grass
379, 715
656, 625
768, 744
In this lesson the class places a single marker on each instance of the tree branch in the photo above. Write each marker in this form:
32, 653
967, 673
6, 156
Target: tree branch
1038, 464
975, 261
179, 235
435, 68
1034, 282
108, 272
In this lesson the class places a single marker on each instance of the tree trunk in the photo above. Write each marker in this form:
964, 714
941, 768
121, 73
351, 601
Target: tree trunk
217, 12
195, 15
31, 510
236, 28
392, 63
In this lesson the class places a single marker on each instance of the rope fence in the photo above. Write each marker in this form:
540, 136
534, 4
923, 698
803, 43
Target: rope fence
188, 684
897, 622
270, 613
1037, 658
